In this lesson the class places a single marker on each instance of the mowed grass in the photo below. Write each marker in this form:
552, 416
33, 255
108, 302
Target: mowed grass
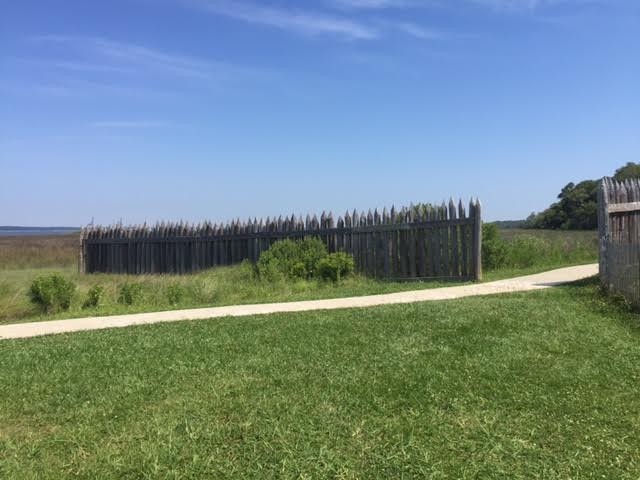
22, 259
535, 385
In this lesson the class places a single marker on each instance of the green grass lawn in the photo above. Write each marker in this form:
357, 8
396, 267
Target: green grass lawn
534, 385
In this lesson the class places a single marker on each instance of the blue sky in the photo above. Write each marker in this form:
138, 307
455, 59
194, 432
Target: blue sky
144, 110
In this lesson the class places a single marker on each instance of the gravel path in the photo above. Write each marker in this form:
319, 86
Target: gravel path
518, 284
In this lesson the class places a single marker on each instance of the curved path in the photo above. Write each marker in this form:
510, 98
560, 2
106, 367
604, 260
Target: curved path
518, 284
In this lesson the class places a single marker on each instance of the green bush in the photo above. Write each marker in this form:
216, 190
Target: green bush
175, 293
130, 293
94, 297
292, 259
335, 266
494, 249
52, 293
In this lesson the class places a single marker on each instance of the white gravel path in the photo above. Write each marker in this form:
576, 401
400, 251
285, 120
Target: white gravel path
518, 284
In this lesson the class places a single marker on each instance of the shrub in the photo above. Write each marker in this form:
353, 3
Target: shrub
335, 266
130, 293
52, 293
175, 293
494, 249
94, 297
292, 259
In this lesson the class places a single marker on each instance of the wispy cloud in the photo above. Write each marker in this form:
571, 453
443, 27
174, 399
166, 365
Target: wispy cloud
127, 56
504, 5
532, 5
413, 29
293, 20
372, 4
126, 124
74, 65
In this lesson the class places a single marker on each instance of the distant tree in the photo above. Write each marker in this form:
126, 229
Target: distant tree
577, 205
577, 209
630, 170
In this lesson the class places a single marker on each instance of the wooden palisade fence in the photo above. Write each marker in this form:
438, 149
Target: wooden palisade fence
442, 242
619, 237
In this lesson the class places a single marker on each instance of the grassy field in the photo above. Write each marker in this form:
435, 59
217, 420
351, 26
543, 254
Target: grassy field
34, 251
535, 385
568, 238
22, 259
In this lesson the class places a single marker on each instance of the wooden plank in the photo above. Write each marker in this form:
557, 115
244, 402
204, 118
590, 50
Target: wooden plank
370, 248
403, 249
464, 243
477, 241
444, 232
623, 207
602, 232
421, 266
412, 254
437, 248
453, 236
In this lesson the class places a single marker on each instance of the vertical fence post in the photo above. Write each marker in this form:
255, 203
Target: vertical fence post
477, 241
81, 254
602, 231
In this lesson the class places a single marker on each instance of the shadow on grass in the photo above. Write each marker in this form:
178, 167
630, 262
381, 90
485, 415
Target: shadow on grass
591, 292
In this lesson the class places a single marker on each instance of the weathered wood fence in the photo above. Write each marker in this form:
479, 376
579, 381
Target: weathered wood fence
619, 233
442, 242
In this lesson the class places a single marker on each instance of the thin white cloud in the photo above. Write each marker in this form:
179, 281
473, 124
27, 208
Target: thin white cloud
414, 30
504, 5
90, 67
293, 20
75, 66
124, 124
127, 56
370, 4
531, 5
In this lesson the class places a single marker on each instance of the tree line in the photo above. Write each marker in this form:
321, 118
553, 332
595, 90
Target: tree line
577, 205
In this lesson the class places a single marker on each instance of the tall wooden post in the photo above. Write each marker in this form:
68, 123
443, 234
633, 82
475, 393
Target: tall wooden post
81, 252
477, 241
603, 230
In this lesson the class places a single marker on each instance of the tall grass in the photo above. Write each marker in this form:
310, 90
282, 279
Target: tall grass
47, 251
524, 249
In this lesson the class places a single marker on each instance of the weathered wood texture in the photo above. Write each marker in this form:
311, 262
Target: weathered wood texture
619, 234
413, 243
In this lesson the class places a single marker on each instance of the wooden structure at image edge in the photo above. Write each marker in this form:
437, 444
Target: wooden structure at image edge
418, 242
619, 237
